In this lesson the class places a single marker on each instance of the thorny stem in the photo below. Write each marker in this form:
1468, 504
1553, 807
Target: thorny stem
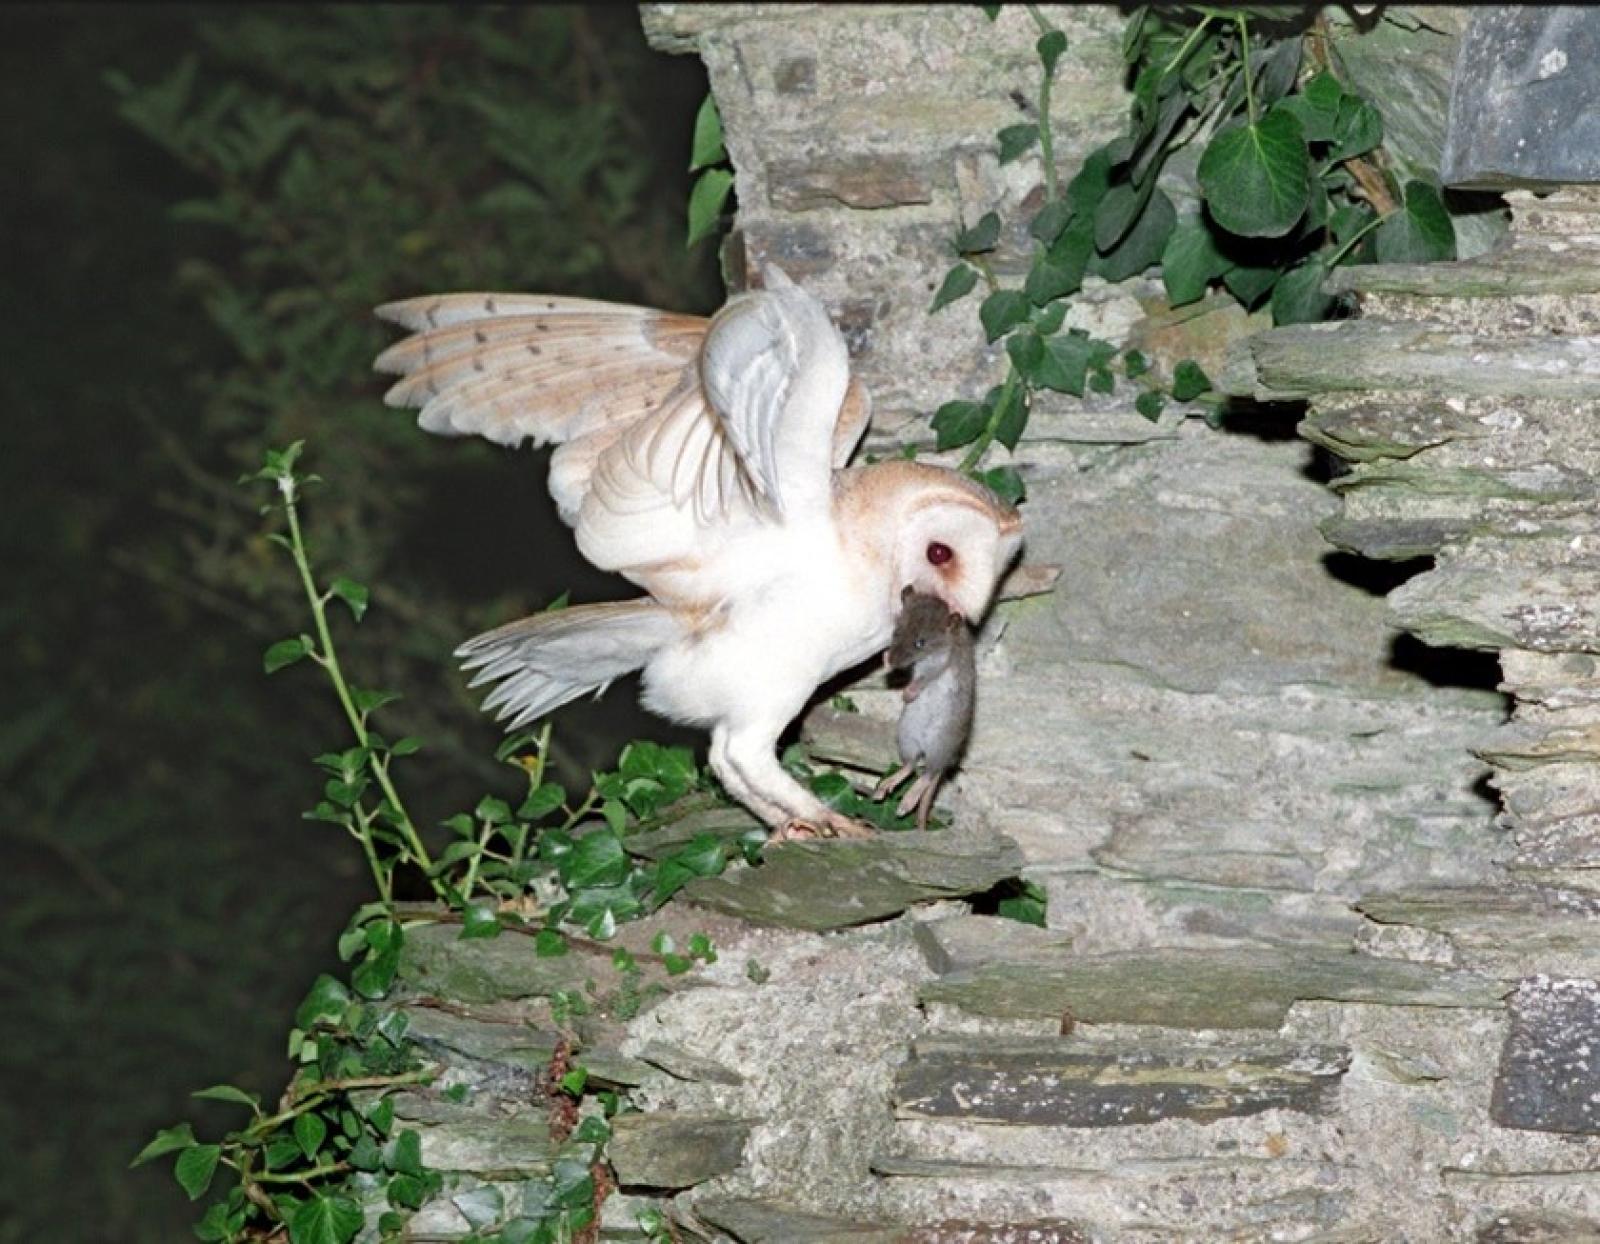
328, 658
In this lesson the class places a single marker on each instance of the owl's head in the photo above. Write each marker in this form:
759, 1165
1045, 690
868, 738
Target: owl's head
953, 538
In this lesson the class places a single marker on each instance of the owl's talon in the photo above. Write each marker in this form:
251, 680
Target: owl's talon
796, 830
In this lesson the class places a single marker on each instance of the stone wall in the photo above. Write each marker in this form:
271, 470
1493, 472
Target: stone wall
1289, 989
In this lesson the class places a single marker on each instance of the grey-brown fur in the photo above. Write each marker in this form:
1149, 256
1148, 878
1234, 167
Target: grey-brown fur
936, 646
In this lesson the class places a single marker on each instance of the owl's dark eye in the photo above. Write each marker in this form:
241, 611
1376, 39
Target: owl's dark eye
939, 554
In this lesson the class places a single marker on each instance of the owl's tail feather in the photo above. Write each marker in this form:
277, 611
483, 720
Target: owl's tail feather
543, 661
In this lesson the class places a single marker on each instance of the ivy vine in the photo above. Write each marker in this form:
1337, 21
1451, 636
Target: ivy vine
1292, 181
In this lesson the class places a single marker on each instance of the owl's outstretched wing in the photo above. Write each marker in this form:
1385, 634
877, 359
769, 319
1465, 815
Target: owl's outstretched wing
671, 427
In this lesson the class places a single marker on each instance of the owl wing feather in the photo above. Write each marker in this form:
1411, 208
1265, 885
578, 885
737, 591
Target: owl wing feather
671, 427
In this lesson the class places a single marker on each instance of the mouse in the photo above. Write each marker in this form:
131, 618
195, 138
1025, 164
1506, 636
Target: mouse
936, 645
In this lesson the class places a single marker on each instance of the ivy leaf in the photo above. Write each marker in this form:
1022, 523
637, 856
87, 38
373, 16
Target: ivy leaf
402, 1154
1026, 351
957, 283
1051, 47
167, 1140
958, 423
354, 594
1144, 243
1066, 363
309, 1133
1279, 68
325, 1220
1002, 311
1091, 182
542, 802
1118, 211
1149, 404
1316, 107
226, 1092
1419, 233
1012, 417
284, 652
596, 859
1005, 483
1027, 907
1358, 130
1297, 298
326, 1001
195, 1167
1254, 176
1050, 220
478, 920
706, 148
1189, 381
1190, 262
1059, 271
1248, 284
982, 237
1016, 139
705, 202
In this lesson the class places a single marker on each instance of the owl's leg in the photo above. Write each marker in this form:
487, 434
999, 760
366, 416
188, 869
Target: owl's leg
734, 782
751, 755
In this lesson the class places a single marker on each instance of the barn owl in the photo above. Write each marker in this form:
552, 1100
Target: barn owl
704, 461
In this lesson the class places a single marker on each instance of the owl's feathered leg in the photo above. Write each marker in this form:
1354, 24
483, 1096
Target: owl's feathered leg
734, 783
752, 757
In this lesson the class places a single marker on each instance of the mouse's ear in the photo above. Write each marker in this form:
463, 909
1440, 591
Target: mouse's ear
905, 592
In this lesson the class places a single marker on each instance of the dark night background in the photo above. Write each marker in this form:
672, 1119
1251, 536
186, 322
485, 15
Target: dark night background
202, 206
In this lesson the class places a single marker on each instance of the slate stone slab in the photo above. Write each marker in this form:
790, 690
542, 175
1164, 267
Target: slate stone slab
959, 942
837, 884
682, 1064
1525, 99
1526, 918
505, 1147
1522, 269
771, 1222
1303, 360
436, 960
1533, 1227
513, 1045
1057, 1081
1231, 988
664, 1150
1549, 1078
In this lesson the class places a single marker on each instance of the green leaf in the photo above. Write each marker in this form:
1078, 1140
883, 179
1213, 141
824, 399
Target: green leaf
1279, 68
284, 652
407, 746
958, 423
1419, 233
706, 148
1005, 483
1091, 183
226, 1092
1150, 403
1297, 298
1026, 351
596, 859
1358, 129
353, 594
1050, 220
1051, 47
1012, 417
1144, 243
166, 1140
373, 978
542, 802
402, 1154
572, 1083
706, 200
1002, 311
326, 1001
325, 1219
1059, 271
1118, 211
368, 701
1316, 107
1190, 262
1189, 381
1254, 176
195, 1167
983, 236
1249, 284
478, 920
1027, 907
1066, 362
1017, 139
957, 284
548, 944
309, 1133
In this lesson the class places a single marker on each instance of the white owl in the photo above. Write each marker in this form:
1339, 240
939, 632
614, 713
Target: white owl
703, 460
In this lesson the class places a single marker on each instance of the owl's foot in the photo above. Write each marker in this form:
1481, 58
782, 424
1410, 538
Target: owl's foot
832, 825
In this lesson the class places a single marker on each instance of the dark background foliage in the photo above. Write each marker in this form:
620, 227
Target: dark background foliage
203, 205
